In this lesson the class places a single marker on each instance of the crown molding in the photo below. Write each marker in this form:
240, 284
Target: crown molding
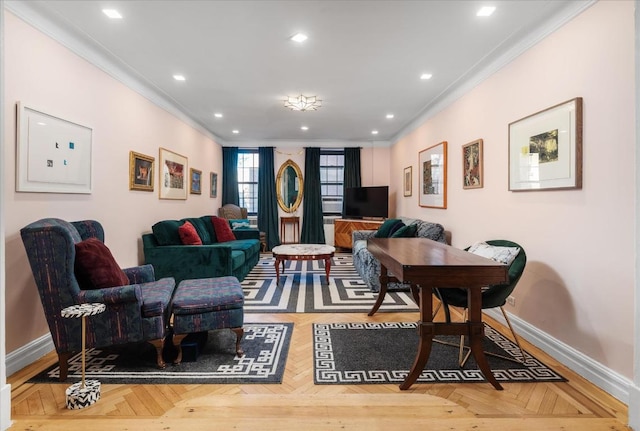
488, 66
327, 143
79, 43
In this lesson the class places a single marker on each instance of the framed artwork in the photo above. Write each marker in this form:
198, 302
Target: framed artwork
433, 176
141, 170
545, 149
214, 185
408, 178
472, 175
173, 168
53, 155
196, 182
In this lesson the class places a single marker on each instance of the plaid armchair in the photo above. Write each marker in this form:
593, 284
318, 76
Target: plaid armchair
135, 312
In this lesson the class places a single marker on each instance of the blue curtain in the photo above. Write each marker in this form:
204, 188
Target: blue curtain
352, 170
312, 222
230, 176
267, 198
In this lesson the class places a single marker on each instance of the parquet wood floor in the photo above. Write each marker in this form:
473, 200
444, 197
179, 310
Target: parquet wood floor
298, 404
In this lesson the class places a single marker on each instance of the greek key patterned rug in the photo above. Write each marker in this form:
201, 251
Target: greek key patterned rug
365, 353
266, 346
303, 289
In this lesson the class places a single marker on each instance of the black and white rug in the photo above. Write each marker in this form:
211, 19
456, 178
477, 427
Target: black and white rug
303, 289
365, 353
266, 346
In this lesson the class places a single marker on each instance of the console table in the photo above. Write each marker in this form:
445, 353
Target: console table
295, 222
343, 229
427, 264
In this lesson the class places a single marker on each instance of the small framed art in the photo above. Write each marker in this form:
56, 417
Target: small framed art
196, 182
433, 176
472, 175
545, 149
141, 170
214, 185
408, 178
173, 168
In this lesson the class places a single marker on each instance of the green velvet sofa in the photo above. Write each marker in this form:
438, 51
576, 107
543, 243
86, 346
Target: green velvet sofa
164, 250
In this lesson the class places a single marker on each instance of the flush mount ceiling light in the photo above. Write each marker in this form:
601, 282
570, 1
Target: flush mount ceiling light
299, 37
390, 116
302, 103
217, 115
179, 77
305, 128
426, 76
486, 11
112, 13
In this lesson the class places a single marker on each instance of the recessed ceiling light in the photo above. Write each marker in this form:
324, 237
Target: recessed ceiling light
374, 132
426, 76
235, 132
179, 77
217, 115
486, 11
304, 128
390, 116
299, 37
112, 13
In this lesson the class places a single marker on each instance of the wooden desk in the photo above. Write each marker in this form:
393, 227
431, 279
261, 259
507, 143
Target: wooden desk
293, 220
427, 264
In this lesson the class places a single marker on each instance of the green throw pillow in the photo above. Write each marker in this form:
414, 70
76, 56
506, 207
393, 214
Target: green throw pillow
405, 232
385, 229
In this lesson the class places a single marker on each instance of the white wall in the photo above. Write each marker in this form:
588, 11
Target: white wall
46, 76
579, 282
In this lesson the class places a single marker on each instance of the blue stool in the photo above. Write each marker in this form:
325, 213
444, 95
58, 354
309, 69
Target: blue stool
206, 304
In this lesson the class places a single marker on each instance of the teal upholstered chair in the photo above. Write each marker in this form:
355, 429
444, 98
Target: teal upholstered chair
492, 296
135, 312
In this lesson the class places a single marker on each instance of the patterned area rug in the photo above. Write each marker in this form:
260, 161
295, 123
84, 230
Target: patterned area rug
265, 345
364, 353
303, 289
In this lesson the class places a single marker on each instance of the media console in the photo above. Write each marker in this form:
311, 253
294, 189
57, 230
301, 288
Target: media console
344, 227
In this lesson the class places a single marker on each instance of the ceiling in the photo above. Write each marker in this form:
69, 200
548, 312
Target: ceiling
364, 59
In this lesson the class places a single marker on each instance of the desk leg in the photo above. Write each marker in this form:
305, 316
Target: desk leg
476, 335
384, 280
426, 333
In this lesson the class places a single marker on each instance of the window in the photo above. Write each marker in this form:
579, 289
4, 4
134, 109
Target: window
248, 163
331, 181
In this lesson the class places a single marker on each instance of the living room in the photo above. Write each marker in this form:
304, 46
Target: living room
578, 242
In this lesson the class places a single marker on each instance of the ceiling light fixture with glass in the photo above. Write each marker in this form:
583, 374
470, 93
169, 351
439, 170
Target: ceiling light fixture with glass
302, 103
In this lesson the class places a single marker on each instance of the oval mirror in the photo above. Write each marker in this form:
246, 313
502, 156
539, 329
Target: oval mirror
289, 186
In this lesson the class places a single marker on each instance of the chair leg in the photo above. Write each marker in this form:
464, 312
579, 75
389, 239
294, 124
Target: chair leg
63, 363
515, 337
159, 345
239, 333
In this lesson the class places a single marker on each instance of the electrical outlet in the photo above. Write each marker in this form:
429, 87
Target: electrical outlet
511, 300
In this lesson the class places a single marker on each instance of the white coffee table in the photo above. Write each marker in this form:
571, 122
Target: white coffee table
303, 252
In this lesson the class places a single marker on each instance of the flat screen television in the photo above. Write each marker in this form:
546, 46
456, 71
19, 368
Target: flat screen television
360, 202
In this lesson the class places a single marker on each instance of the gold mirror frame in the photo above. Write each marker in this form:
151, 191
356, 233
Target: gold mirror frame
281, 181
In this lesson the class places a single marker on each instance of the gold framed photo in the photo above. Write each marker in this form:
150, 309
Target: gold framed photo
141, 171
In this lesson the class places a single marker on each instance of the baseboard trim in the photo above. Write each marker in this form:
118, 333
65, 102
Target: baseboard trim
5, 407
605, 378
29, 353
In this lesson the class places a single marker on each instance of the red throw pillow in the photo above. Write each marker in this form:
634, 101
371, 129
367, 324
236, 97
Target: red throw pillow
95, 266
223, 230
188, 234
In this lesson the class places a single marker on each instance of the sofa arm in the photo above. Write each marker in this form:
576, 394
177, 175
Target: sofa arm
358, 235
244, 233
140, 274
112, 295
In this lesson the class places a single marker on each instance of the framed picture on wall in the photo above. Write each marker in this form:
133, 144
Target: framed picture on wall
141, 171
173, 168
432, 164
545, 149
472, 175
407, 179
196, 182
214, 185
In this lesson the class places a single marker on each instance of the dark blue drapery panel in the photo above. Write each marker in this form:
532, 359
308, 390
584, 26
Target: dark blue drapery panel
230, 176
312, 221
267, 197
352, 170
